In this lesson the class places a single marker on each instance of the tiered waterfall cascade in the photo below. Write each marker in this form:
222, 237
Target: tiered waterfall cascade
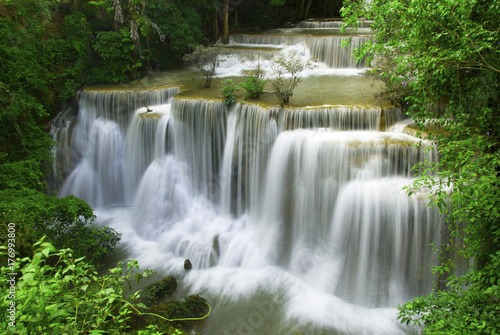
292, 217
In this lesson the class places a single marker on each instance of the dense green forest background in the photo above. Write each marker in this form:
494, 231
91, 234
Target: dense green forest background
440, 61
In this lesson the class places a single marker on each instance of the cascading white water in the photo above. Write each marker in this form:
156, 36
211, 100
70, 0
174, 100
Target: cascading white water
291, 217
319, 24
327, 24
98, 178
93, 150
326, 49
338, 118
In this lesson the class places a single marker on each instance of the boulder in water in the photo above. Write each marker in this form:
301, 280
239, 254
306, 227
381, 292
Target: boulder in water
162, 289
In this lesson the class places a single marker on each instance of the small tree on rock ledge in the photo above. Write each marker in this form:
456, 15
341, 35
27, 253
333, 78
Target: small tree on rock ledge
286, 70
206, 60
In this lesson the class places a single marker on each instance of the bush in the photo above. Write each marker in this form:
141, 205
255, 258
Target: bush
228, 89
254, 83
254, 86
469, 305
452, 89
286, 70
69, 298
67, 222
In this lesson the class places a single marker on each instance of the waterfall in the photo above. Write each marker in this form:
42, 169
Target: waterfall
293, 217
326, 49
328, 24
92, 159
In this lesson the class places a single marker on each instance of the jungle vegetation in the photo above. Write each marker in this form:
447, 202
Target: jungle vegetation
440, 61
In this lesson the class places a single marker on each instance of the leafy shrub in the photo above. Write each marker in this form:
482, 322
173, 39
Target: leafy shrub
67, 222
228, 89
254, 86
453, 87
69, 298
254, 83
468, 306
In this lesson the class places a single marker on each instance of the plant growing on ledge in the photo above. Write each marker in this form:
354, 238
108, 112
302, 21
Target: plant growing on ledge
254, 83
286, 70
228, 89
206, 60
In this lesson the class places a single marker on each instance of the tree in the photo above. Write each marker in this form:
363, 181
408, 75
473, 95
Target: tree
182, 26
286, 71
225, 31
206, 60
443, 57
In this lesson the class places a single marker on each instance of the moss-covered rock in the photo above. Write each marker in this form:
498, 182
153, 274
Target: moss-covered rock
181, 313
161, 290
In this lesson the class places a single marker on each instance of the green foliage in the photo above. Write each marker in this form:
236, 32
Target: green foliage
116, 62
19, 175
74, 53
67, 222
206, 60
228, 89
181, 26
23, 91
68, 298
286, 71
254, 83
446, 55
153, 330
468, 306
254, 86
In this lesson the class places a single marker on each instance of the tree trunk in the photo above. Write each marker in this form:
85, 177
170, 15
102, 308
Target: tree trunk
216, 25
301, 9
225, 33
306, 13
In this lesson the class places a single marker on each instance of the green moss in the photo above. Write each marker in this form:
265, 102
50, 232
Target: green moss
150, 115
161, 290
193, 306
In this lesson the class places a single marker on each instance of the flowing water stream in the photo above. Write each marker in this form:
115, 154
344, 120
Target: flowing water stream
292, 218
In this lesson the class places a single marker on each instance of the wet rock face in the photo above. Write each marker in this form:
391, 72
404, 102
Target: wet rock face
188, 265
